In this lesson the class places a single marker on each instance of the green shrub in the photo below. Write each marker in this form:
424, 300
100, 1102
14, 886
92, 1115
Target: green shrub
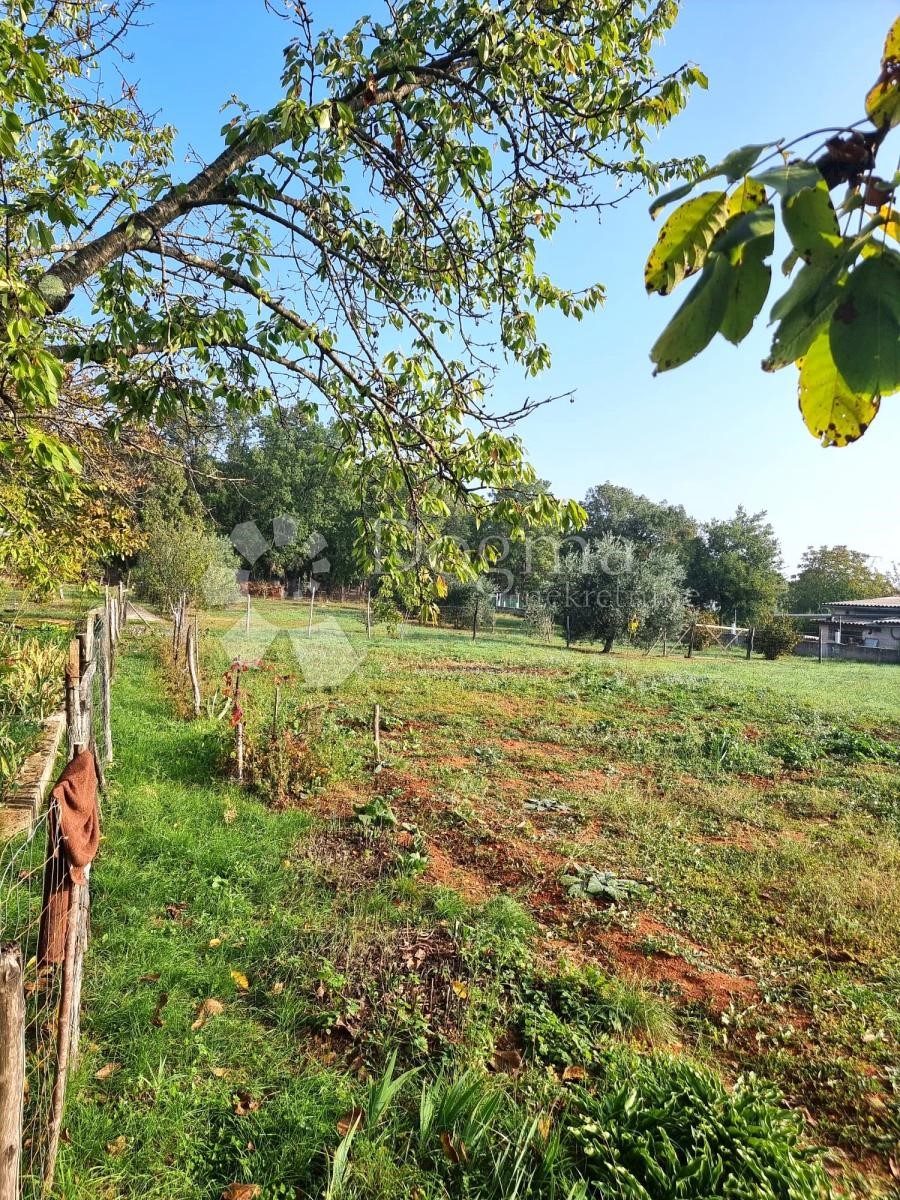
184, 558
569, 1019
778, 636
538, 619
666, 1127
31, 677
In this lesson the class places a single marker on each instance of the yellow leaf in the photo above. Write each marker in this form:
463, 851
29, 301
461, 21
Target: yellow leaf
119, 1146
883, 100
891, 221
213, 942
219, 1072
684, 241
241, 980
747, 196
833, 414
461, 989
572, 1072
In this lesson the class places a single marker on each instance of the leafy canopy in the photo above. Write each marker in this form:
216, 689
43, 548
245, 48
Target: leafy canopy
839, 320
369, 243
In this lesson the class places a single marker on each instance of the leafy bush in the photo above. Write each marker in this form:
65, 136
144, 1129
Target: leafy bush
31, 677
284, 768
569, 1019
857, 745
666, 1127
182, 557
538, 619
779, 635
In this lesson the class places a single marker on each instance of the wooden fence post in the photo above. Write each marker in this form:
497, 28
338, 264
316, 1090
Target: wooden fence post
63, 1039
751, 638
12, 1069
369, 615
376, 733
821, 646
105, 660
475, 618
82, 918
690, 650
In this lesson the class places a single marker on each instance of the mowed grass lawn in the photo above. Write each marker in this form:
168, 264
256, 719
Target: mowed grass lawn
338, 913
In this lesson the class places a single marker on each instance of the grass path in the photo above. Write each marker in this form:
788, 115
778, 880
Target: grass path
186, 861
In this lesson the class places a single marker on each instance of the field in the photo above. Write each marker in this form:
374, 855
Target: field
564, 860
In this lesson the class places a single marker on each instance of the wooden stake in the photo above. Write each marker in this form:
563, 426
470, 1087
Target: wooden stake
751, 638
376, 732
12, 1069
475, 618
192, 666
312, 600
690, 649
73, 703
369, 615
247, 624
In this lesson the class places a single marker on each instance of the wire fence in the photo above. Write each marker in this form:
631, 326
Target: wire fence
45, 916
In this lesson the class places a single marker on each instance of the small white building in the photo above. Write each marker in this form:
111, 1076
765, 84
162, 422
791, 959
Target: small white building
868, 630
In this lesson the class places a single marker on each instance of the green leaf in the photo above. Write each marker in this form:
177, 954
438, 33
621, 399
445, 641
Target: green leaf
833, 413
748, 288
684, 241
865, 328
800, 325
733, 167
759, 224
812, 224
806, 283
697, 320
790, 178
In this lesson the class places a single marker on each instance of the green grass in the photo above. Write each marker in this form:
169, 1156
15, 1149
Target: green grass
764, 938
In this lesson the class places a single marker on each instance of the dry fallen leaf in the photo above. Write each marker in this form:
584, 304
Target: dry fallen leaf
241, 980
161, 1003
243, 1103
209, 1008
152, 977
545, 1124
351, 1120
461, 989
229, 815
119, 1146
571, 1072
277, 987
454, 1152
213, 942
219, 1072
109, 1069
242, 1191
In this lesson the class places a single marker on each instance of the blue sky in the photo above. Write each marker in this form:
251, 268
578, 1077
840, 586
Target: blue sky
718, 432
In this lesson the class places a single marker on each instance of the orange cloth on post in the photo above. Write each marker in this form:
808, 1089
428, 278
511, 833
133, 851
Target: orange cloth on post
73, 837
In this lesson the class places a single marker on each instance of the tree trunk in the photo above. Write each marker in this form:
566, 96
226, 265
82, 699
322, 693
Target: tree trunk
607, 646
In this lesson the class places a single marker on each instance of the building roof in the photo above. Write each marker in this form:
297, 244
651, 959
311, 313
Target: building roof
875, 602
